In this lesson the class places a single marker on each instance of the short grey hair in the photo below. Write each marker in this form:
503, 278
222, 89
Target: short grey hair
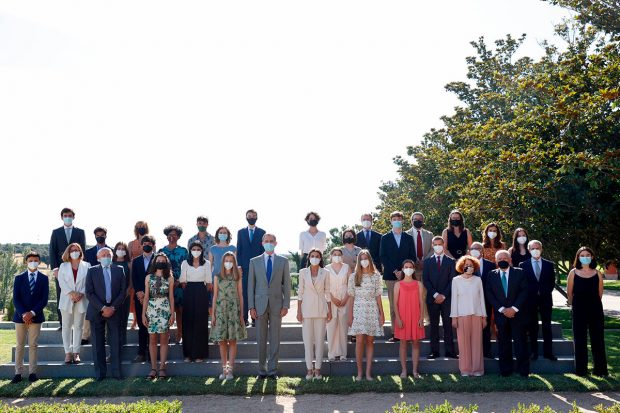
418, 213
532, 242
477, 244
498, 253
267, 234
104, 249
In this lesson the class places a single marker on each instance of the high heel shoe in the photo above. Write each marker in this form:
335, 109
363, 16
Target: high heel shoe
224, 373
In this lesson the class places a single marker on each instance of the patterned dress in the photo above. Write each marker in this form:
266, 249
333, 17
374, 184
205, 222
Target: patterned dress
365, 311
158, 308
176, 257
228, 325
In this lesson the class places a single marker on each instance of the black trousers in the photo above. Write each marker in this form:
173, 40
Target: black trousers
143, 333
58, 300
196, 321
589, 317
486, 332
434, 311
543, 307
512, 331
124, 314
97, 336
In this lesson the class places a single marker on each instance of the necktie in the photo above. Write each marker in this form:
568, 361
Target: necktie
68, 234
537, 269
367, 239
419, 251
505, 283
269, 269
439, 263
108, 284
32, 283
251, 234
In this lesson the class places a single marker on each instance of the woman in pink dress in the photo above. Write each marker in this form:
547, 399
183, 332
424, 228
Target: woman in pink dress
409, 313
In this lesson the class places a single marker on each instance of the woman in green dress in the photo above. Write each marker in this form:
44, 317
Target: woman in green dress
158, 314
227, 325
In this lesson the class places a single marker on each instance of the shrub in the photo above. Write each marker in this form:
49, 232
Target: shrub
521, 408
142, 406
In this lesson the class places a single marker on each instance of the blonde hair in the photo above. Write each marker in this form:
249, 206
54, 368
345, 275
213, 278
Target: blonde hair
359, 270
235, 268
65, 255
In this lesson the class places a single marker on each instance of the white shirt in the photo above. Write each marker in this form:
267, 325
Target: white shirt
467, 297
507, 271
189, 273
307, 241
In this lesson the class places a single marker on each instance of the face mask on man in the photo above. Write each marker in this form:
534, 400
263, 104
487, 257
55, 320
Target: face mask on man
269, 247
251, 221
33, 265
100, 240
535, 253
147, 248
474, 253
397, 224
67, 220
418, 224
366, 224
105, 261
503, 265
438, 249
313, 222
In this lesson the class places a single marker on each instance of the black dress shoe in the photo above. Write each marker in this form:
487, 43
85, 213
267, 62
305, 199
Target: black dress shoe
488, 356
85, 342
16, 379
551, 357
100, 379
432, 356
534, 356
261, 377
451, 356
32, 378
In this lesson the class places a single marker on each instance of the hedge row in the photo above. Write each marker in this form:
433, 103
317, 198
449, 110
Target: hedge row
532, 408
142, 406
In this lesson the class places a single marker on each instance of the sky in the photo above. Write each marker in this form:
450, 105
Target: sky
163, 111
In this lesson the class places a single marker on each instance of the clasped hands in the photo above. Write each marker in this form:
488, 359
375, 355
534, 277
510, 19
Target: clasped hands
509, 312
107, 312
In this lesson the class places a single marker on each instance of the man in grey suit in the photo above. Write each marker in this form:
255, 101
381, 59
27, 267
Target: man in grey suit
423, 240
269, 298
105, 290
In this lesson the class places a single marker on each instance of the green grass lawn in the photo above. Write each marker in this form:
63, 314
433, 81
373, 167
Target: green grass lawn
607, 285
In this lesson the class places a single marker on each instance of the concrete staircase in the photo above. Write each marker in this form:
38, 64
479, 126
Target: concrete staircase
386, 361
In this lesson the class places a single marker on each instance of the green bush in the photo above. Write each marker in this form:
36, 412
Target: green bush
521, 408
142, 406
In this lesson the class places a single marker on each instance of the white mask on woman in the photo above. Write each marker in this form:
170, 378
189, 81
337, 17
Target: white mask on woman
408, 271
75, 255
521, 240
315, 261
228, 265
364, 263
492, 234
336, 259
196, 254
121, 253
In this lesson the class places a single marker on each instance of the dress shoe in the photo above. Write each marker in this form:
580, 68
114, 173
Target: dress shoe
139, 359
488, 356
451, 356
273, 376
432, 356
16, 379
85, 341
32, 378
261, 377
392, 339
551, 357
100, 379
534, 356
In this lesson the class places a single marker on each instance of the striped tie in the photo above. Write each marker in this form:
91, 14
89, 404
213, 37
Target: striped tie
31, 283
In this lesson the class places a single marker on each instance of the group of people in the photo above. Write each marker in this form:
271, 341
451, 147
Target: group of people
468, 285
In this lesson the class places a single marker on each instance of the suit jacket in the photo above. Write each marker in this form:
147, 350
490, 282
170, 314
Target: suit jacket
540, 289
95, 290
314, 296
392, 256
427, 242
58, 244
517, 294
68, 285
90, 255
138, 273
438, 281
487, 267
374, 247
24, 301
277, 293
247, 250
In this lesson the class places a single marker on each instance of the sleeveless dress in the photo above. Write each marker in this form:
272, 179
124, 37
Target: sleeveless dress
365, 311
517, 258
228, 325
457, 245
158, 308
409, 311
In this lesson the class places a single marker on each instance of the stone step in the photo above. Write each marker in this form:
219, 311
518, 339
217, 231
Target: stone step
286, 367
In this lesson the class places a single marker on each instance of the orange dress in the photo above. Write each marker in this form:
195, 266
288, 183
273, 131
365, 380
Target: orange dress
488, 253
409, 311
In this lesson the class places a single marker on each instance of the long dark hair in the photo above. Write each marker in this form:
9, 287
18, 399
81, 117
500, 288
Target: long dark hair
497, 241
190, 257
321, 264
167, 271
515, 235
462, 226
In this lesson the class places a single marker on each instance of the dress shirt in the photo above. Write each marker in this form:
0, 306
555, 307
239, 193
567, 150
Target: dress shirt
147, 260
266, 257
307, 241
501, 309
397, 237
189, 273
35, 281
441, 257
539, 262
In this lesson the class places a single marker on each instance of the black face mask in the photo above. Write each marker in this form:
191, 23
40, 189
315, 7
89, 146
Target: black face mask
251, 221
503, 264
161, 265
455, 222
349, 240
313, 222
147, 248
418, 224
141, 231
100, 240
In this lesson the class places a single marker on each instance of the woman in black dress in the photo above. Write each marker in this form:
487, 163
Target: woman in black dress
456, 237
585, 290
518, 251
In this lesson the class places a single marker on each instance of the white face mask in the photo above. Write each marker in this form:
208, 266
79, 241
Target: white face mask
75, 255
121, 253
438, 249
475, 253
408, 271
535, 253
228, 265
366, 224
492, 234
521, 240
33, 265
336, 259
315, 261
196, 254
364, 263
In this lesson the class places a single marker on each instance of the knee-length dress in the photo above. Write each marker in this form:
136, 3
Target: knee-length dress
409, 312
228, 324
365, 311
158, 308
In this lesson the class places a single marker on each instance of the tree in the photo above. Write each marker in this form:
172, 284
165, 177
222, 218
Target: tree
603, 14
9, 268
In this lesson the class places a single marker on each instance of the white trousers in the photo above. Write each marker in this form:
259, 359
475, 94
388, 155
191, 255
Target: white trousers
72, 325
313, 332
337, 332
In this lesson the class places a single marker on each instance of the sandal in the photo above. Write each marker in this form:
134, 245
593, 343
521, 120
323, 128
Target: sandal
152, 374
224, 372
68, 358
76, 358
162, 369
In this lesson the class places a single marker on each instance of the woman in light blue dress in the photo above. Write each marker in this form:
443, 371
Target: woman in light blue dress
222, 246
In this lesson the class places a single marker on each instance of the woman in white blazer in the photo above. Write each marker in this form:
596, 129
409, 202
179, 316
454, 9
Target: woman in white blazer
314, 310
73, 303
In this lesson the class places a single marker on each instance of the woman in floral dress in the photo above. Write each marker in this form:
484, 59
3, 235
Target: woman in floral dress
227, 324
158, 314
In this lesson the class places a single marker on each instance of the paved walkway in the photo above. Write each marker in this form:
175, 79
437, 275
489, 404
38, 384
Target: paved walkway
369, 402
611, 302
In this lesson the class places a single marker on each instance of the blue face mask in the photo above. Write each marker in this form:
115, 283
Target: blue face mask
68, 221
397, 224
269, 247
585, 260
222, 237
105, 261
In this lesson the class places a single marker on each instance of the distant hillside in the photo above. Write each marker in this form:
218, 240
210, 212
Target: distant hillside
24, 248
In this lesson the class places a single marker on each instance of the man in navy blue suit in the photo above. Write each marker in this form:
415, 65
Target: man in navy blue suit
486, 266
370, 240
30, 293
139, 270
540, 275
249, 245
60, 240
90, 254
396, 246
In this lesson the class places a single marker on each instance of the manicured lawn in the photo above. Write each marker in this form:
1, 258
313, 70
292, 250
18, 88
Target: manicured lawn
7, 341
563, 316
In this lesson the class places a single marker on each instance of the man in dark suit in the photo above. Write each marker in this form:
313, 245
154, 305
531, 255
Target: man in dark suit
486, 266
439, 270
370, 240
105, 290
60, 240
540, 275
30, 292
249, 245
507, 291
139, 271
90, 255
396, 246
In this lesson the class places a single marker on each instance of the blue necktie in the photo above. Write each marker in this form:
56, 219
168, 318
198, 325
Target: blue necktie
367, 238
68, 234
108, 284
269, 269
251, 234
537, 269
32, 282
505, 283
